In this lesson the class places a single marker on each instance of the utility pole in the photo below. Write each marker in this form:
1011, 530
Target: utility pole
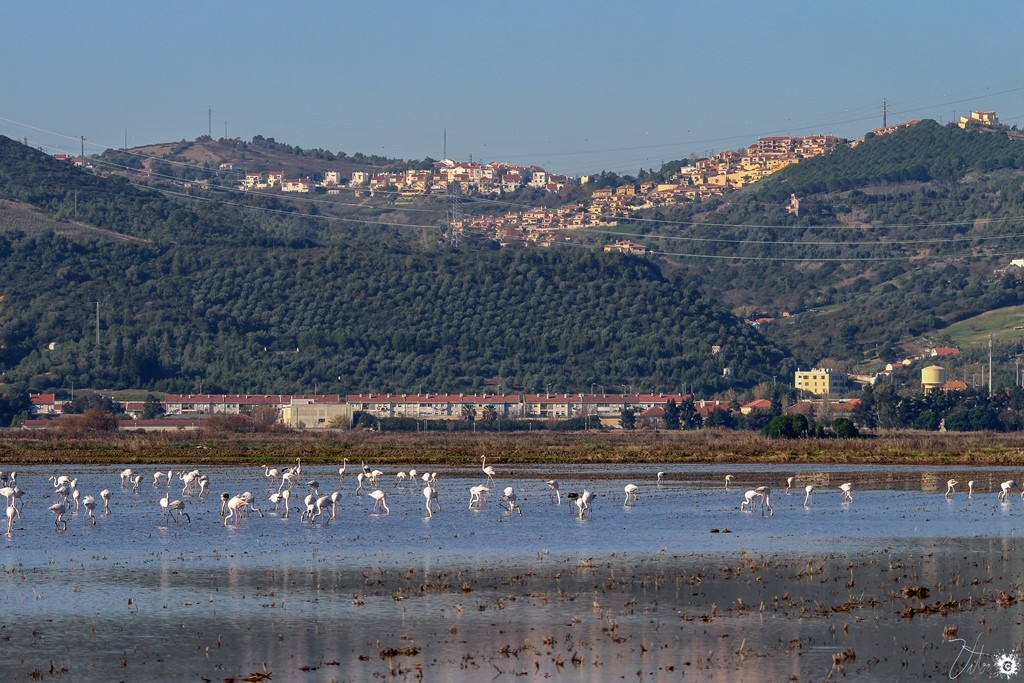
990, 364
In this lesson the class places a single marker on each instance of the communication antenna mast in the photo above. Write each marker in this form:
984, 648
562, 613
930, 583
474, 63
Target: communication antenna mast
885, 112
209, 122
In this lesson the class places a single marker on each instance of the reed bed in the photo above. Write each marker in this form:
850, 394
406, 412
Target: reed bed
701, 446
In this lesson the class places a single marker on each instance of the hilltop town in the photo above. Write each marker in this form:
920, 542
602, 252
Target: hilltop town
704, 179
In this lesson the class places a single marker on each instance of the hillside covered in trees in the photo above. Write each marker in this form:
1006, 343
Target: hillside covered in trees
896, 238
208, 294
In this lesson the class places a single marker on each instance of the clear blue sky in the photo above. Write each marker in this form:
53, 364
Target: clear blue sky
575, 87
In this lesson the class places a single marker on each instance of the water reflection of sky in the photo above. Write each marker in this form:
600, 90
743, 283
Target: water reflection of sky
138, 596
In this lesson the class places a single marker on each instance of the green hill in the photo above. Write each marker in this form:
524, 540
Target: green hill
212, 294
896, 239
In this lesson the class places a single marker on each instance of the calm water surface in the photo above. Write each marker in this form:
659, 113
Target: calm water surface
671, 588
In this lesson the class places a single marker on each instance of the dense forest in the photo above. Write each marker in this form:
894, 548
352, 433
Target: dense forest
218, 297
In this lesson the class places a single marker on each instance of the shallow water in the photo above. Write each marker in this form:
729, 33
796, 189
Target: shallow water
646, 592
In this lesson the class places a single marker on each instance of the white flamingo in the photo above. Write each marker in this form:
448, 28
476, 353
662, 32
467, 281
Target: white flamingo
487, 469
431, 500
553, 488
89, 503
476, 495
509, 496
847, 489
630, 490
381, 501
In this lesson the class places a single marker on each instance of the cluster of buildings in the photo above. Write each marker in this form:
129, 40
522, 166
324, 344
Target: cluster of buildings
830, 382
307, 411
606, 206
310, 411
707, 178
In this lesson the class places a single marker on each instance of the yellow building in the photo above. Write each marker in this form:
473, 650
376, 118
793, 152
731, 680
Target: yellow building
821, 381
307, 414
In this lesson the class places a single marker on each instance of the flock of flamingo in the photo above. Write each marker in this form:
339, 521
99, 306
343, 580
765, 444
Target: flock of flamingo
323, 507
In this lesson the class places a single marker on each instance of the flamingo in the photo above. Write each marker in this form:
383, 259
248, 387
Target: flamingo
553, 486
583, 502
488, 470
271, 473
846, 488
807, 497
275, 498
321, 507
970, 489
359, 480
224, 498
164, 502
334, 504
509, 496
105, 497
76, 496
374, 476
431, 495
310, 502
789, 483
285, 496
250, 503
157, 478
18, 493
58, 510
1004, 489
126, 476
11, 511
234, 505
748, 499
10, 493
766, 495
476, 495
314, 485
341, 471
89, 503
950, 487
381, 501
728, 478
401, 476
660, 475
630, 490
412, 474
136, 483
178, 507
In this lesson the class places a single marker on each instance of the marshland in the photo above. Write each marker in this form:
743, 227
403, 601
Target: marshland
910, 579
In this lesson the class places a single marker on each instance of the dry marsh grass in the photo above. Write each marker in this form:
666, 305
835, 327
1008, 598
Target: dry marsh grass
703, 446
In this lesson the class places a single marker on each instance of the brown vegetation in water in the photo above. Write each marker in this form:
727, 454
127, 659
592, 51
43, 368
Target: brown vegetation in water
702, 446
